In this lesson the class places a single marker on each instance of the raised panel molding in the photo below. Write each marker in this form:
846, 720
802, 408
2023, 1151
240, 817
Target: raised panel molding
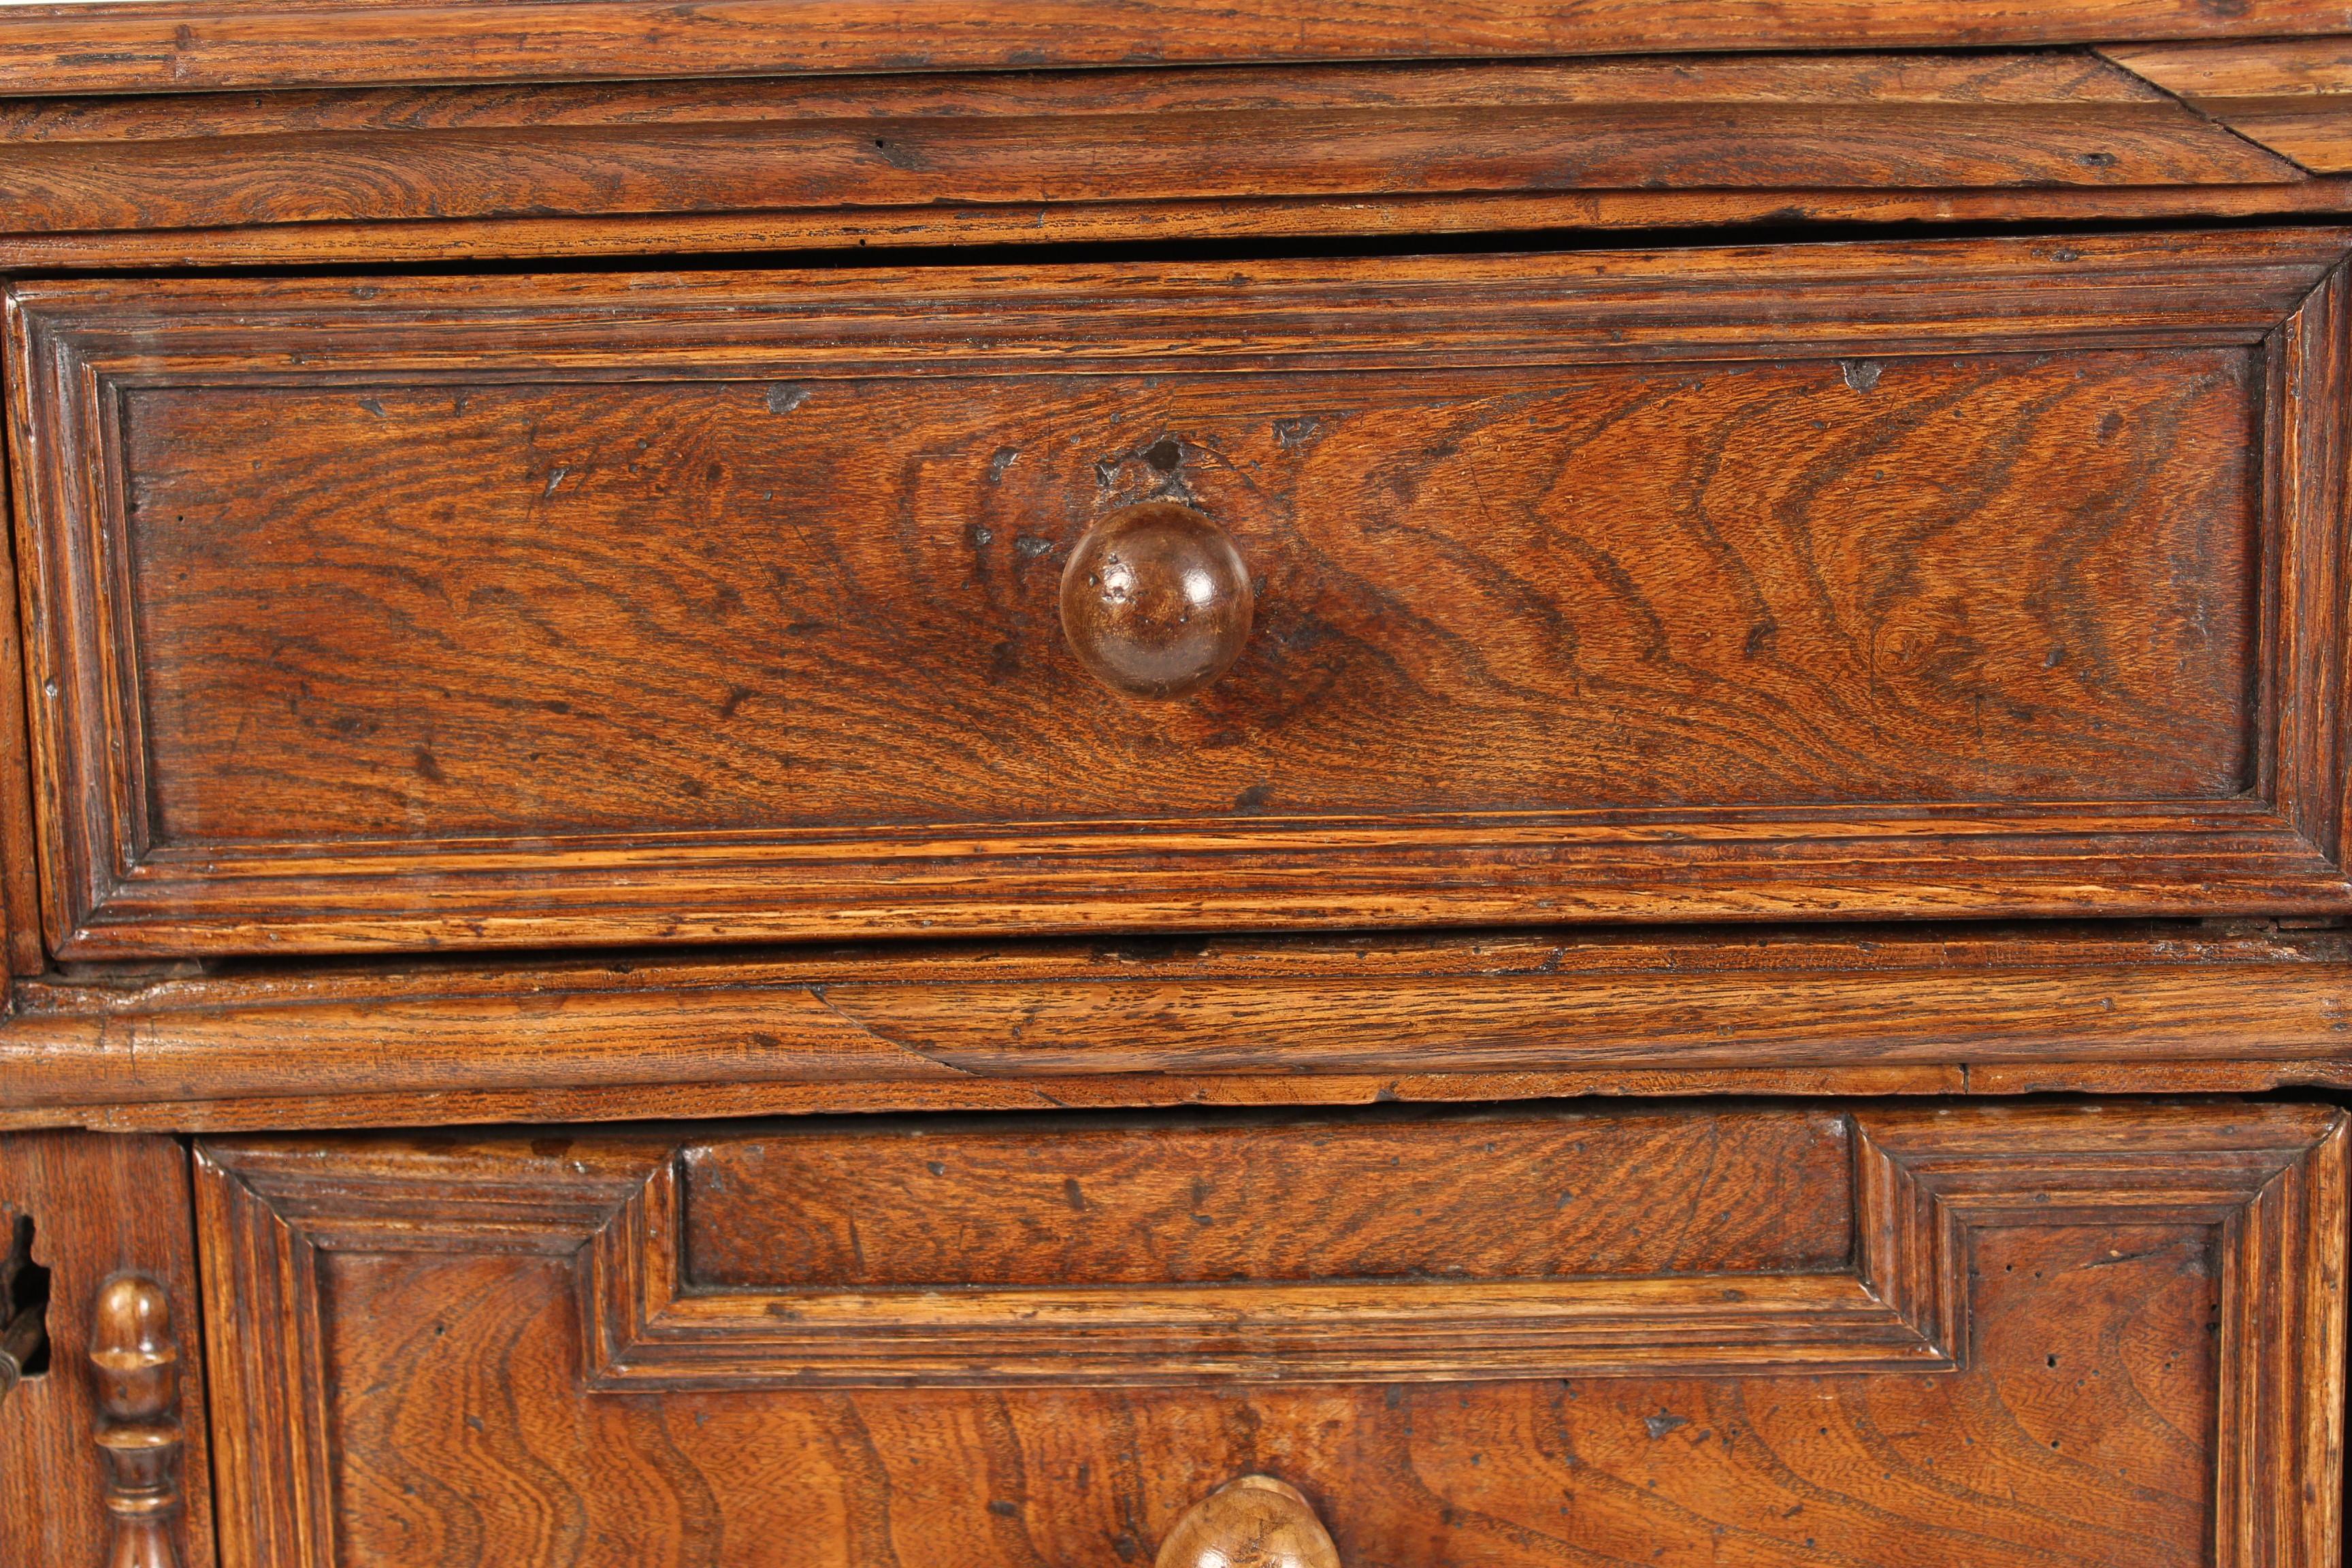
111, 892
2269, 1179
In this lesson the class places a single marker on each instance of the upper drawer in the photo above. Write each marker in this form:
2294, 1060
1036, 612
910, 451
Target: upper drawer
1868, 580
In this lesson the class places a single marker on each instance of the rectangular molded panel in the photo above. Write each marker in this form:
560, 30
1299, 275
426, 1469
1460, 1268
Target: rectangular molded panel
1129, 1200
1959, 578
2108, 1333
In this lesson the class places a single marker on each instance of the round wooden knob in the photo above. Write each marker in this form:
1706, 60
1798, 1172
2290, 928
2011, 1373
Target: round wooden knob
1156, 601
1254, 1522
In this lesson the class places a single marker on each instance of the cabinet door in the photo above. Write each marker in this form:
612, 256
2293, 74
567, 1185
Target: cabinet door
105, 1224
1975, 1336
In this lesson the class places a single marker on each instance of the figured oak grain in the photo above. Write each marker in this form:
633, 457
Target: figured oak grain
671, 608
2143, 1297
1807, 603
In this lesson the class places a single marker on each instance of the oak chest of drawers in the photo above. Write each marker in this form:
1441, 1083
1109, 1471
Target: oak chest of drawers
978, 784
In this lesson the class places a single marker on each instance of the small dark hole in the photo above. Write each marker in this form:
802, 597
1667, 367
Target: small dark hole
1165, 457
28, 1292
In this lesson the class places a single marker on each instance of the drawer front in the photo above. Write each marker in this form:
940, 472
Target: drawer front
1725, 1335
1823, 581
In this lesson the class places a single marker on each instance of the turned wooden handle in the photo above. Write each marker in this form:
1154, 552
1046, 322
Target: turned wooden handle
1254, 1522
136, 1359
1156, 601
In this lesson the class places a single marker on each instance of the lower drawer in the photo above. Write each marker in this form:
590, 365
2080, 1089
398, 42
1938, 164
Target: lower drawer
1973, 1335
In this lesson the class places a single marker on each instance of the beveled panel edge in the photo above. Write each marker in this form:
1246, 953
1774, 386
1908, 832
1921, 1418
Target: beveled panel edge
2274, 1184
1924, 1179
207, 45
1514, 1016
2268, 1177
614, 1204
107, 897
1709, 1325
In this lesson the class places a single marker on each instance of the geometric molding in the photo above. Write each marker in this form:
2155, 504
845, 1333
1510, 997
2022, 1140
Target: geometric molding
116, 886
2269, 1178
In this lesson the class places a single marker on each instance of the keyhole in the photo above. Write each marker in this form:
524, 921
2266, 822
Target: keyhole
25, 1301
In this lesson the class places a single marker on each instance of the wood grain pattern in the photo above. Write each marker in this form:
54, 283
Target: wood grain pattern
20, 892
1463, 571
915, 1202
203, 45
1843, 120
1444, 595
2083, 1256
471, 241
2293, 96
656, 1323
1229, 1021
102, 1206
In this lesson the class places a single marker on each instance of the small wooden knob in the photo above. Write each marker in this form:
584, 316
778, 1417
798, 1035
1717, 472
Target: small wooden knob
1156, 601
1254, 1522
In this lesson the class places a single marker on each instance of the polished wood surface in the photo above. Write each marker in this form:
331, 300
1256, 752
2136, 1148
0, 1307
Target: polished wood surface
1156, 601
134, 1356
905, 1203
711, 674
1922, 511
2127, 1319
149, 45
2002, 1009
1254, 1521
111, 1222
2293, 96
918, 143
1440, 222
